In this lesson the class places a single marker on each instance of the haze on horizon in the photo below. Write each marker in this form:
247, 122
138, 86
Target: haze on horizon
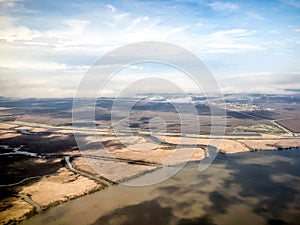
249, 46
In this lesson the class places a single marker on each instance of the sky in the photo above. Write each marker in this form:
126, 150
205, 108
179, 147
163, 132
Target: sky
46, 47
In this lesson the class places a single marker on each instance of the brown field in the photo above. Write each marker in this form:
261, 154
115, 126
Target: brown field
292, 124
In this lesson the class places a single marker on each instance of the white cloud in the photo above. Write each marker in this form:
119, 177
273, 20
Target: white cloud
26, 86
7, 21
135, 22
111, 8
22, 33
72, 42
117, 19
136, 67
261, 82
18, 34
230, 41
32, 65
178, 29
153, 98
223, 6
233, 33
77, 25
180, 100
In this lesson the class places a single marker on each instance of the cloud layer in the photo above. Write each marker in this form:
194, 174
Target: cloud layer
43, 48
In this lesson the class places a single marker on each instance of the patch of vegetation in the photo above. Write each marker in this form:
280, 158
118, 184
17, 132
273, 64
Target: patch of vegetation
262, 128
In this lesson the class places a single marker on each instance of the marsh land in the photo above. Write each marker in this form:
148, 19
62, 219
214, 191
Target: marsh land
42, 165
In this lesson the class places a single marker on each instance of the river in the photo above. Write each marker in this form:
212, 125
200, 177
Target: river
245, 188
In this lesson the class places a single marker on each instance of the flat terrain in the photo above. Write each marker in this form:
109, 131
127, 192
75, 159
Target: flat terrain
41, 164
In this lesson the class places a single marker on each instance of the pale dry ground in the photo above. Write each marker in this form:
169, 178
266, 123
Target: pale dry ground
32, 129
46, 192
42, 119
142, 149
225, 145
7, 131
7, 126
118, 171
50, 190
8, 135
112, 168
83, 165
63, 186
17, 210
271, 144
65, 131
135, 148
230, 146
162, 156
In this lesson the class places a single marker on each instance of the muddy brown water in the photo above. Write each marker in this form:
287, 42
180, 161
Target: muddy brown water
246, 188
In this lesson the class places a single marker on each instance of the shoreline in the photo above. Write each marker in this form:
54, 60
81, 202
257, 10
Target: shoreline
99, 187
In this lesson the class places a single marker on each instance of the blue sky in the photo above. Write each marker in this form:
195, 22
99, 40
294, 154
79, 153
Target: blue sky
47, 46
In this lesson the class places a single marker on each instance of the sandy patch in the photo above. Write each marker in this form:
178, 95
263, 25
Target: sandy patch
65, 185
225, 145
271, 144
230, 147
14, 209
118, 171
4, 135
234, 146
7, 126
83, 165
